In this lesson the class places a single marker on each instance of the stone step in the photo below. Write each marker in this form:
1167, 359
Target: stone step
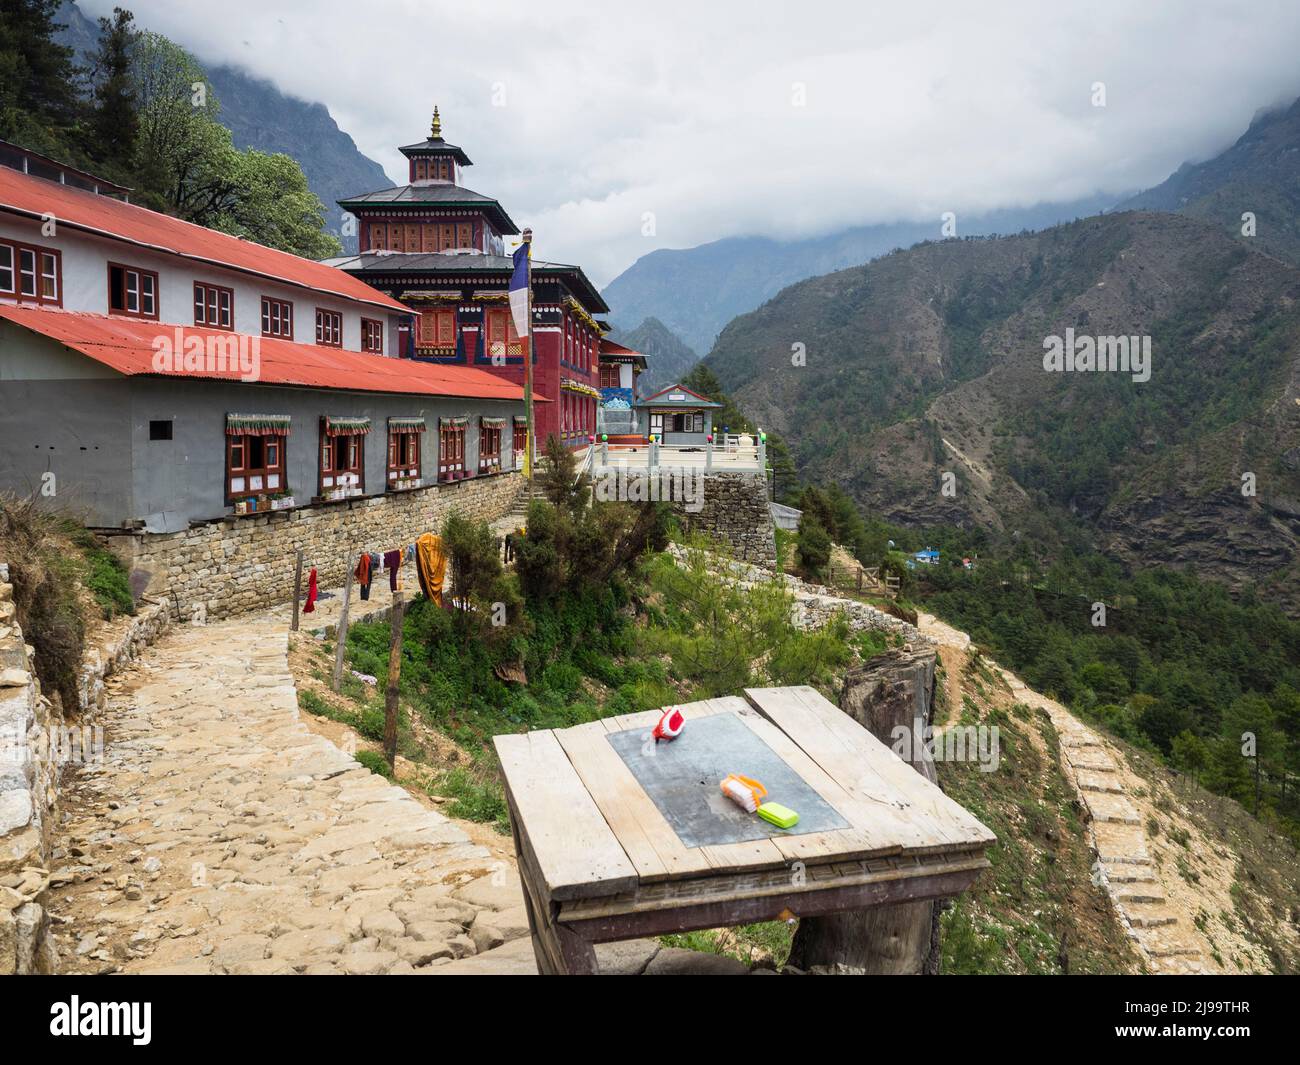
1091, 780
1145, 915
1129, 874
1112, 809
1092, 761
1170, 941
1123, 844
1130, 895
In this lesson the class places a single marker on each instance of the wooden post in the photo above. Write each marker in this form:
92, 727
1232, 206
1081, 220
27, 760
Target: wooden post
892, 690
531, 453
859, 580
394, 675
297, 591
341, 633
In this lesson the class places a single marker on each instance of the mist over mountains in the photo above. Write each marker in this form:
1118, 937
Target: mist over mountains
260, 116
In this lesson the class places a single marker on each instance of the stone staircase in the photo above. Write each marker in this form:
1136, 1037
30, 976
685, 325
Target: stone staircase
517, 515
1124, 861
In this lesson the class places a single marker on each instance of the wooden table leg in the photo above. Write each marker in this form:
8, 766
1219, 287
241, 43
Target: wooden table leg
559, 951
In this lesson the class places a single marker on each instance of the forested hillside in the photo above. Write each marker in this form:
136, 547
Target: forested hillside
930, 362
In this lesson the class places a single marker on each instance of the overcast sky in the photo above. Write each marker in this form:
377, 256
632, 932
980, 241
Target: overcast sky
722, 117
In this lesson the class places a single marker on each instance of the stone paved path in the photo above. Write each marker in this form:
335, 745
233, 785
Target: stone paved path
220, 835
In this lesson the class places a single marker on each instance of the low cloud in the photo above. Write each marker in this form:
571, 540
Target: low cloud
785, 120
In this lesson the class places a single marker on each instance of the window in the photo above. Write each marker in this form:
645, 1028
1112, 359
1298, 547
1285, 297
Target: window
372, 336
489, 445
521, 437
609, 375
254, 464
329, 328
437, 329
277, 318
214, 306
160, 430
132, 292
403, 454
31, 274
451, 451
342, 458
501, 336
657, 425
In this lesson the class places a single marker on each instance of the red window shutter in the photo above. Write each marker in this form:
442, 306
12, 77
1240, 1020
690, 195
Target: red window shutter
446, 328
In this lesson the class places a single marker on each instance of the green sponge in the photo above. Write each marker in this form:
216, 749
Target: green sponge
781, 816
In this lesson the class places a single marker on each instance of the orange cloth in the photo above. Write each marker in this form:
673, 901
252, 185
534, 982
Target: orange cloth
430, 566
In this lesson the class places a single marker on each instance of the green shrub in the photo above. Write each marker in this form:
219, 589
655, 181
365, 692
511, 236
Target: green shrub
375, 762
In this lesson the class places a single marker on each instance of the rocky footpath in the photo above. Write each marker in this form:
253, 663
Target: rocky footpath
219, 835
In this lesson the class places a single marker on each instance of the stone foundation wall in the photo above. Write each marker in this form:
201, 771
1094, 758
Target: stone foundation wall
35, 744
246, 563
734, 510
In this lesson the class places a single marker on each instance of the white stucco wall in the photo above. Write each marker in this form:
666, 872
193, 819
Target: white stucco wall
85, 286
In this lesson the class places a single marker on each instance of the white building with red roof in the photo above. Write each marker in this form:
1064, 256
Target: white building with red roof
155, 373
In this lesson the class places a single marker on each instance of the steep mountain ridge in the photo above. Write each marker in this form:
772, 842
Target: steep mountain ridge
930, 361
668, 358
1258, 175
696, 291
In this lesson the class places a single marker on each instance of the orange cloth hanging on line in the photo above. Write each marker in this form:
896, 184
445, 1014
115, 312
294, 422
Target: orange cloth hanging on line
430, 566
363, 574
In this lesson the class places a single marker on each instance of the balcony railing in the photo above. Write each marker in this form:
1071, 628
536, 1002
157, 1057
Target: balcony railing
727, 454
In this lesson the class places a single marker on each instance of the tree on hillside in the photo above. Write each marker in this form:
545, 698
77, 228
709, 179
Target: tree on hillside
193, 169
39, 107
179, 137
272, 204
814, 543
114, 126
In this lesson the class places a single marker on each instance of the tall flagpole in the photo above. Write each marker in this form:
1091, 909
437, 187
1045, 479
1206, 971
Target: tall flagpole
530, 455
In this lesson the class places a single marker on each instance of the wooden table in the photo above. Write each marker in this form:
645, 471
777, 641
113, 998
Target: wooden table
618, 837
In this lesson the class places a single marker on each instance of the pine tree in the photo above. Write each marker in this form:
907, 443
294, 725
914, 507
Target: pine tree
115, 122
38, 98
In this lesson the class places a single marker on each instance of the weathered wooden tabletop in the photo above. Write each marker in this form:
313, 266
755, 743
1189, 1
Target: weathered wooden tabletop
618, 837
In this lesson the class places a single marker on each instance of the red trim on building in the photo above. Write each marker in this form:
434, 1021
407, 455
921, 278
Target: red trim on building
78, 209
129, 347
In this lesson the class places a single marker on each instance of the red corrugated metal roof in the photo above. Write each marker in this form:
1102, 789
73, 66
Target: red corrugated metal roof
608, 347
124, 221
129, 345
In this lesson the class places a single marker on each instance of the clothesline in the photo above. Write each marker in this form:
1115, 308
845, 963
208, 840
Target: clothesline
426, 552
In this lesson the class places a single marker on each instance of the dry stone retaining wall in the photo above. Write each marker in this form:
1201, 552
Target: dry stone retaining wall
247, 563
34, 744
734, 510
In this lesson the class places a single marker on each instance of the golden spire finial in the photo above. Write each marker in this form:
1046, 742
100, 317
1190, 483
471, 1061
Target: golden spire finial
435, 132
